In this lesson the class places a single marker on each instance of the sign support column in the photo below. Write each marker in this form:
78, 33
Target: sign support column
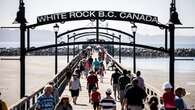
20, 18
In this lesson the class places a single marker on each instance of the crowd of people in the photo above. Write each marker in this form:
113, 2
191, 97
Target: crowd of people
129, 90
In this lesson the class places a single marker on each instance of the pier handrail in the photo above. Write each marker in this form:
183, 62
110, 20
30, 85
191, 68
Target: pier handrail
60, 82
150, 90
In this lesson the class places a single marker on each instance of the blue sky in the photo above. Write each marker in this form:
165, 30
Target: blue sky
160, 8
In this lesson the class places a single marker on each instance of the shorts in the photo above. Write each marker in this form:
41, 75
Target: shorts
90, 88
115, 87
122, 95
75, 93
96, 104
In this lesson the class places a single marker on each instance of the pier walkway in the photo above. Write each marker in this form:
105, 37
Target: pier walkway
62, 79
83, 100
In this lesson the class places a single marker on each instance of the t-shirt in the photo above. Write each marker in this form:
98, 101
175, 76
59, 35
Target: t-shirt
115, 77
75, 84
169, 100
92, 79
135, 95
45, 102
107, 104
95, 96
123, 81
140, 82
96, 64
179, 103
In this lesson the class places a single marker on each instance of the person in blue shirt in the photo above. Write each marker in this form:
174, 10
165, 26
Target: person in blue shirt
179, 102
96, 65
46, 101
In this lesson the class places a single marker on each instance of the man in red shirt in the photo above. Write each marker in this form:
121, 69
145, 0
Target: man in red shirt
95, 98
92, 81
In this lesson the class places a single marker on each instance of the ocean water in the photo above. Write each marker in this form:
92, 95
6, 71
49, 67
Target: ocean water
157, 44
155, 72
40, 69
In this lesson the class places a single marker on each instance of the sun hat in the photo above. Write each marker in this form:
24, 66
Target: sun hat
64, 97
109, 91
167, 85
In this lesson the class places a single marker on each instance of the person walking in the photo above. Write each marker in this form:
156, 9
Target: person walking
3, 105
75, 87
114, 82
55, 92
63, 104
95, 98
108, 103
123, 81
140, 80
134, 97
46, 101
96, 65
92, 81
101, 71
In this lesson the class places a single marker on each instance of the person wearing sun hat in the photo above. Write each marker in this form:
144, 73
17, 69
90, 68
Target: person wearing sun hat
108, 103
168, 97
64, 104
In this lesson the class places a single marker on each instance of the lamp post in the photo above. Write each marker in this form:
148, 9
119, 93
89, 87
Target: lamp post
56, 29
20, 18
172, 21
134, 29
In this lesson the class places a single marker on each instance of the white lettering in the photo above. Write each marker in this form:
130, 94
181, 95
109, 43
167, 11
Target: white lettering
63, 16
85, 14
72, 14
122, 15
148, 18
101, 14
155, 19
42, 19
110, 14
142, 17
129, 16
79, 14
50, 17
135, 16
92, 13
